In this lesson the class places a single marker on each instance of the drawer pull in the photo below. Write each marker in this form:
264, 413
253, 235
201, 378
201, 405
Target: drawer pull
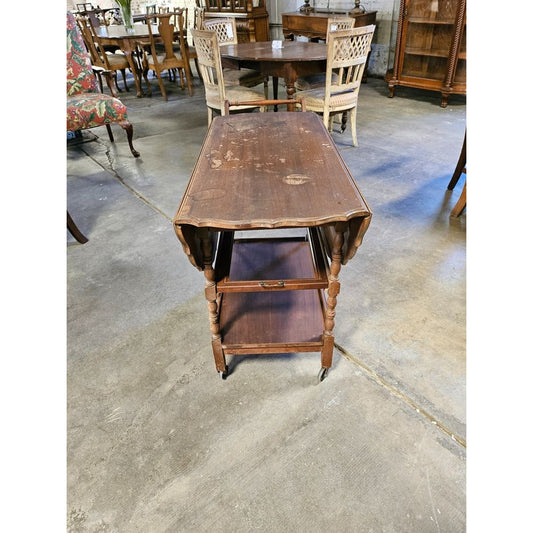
272, 285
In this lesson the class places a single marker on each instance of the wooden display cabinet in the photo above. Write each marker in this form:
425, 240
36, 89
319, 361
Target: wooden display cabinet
431, 47
250, 16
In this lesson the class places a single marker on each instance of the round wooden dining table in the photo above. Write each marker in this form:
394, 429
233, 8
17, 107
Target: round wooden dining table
293, 60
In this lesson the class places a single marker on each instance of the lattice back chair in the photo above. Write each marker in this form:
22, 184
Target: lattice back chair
110, 63
339, 24
87, 107
226, 30
318, 80
216, 92
170, 58
346, 59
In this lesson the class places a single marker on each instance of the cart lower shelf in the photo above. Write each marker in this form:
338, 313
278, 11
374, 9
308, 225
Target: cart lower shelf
272, 322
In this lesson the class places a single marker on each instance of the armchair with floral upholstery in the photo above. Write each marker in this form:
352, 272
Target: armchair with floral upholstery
87, 107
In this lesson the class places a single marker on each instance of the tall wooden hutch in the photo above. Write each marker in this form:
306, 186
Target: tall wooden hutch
251, 17
431, 47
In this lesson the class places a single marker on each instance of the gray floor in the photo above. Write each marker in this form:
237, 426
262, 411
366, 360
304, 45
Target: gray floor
157, 442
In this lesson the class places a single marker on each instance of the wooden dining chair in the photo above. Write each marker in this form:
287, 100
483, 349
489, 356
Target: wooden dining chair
183, 13
346, 59
216, 91
87, 107
226, 30
109, 62
460, 169
169, 59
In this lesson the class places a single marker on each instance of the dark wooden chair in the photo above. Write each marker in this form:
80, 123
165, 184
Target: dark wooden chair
169, 59
459, 170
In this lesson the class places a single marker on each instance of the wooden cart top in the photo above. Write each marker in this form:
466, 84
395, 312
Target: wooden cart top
269, 170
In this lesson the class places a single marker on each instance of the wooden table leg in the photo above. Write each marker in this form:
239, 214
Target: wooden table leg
333, 290
212, 305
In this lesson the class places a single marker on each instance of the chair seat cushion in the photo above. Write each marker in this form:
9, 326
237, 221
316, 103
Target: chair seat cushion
161, 60
245, 77
117, 61
314, 98
88, 110
314, 81
233, 94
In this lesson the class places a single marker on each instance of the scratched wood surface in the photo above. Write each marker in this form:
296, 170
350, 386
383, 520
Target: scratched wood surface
268, 170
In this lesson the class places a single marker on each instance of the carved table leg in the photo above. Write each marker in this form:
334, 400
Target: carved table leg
212, 305
333, 290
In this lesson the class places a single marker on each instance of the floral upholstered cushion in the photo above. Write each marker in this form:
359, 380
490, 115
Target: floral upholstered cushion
80, 77
88, 110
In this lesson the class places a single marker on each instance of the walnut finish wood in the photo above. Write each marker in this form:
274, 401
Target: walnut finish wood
294, 60
315, 25
266, 295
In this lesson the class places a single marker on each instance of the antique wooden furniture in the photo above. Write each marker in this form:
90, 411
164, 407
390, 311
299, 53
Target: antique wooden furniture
87, 107
319, 80
74, 231
212, 74
128, 42
251, 17
169, 58
108, 61
265, 294
295, 59
347, 53
459, 170
226, 30
315, 25
431, 47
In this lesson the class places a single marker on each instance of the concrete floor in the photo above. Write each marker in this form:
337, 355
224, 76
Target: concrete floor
157, 442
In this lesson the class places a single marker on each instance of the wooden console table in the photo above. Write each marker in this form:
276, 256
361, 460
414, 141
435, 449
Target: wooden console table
315, 25
264, 171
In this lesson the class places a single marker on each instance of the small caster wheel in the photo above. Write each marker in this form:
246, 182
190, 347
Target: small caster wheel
223, 374
322, 374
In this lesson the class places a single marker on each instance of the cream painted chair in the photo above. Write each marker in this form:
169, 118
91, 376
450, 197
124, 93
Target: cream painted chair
226, 30
318, 80
216, 91
346, 59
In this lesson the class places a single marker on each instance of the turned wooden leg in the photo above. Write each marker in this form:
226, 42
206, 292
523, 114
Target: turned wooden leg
129, 132
212, 304
333, 290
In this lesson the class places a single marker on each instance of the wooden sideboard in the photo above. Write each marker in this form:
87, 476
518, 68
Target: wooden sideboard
314, 25
250, 16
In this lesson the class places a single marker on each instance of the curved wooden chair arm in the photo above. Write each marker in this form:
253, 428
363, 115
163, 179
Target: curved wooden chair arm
261, 103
